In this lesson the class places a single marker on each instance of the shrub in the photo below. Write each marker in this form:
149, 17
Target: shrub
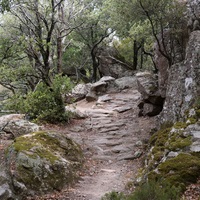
45, 103
151, 190
114, 196
155, 191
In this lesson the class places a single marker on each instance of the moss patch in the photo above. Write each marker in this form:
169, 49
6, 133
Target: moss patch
37, 144
180, 125
181, 170
44, 161
171, 139
168, 142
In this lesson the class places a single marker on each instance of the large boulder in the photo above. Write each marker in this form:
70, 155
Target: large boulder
78, 93
111, 64
178, 51
193, 11
41, 162
183, 83
15, 125
100, 87
126, 82
5, 189
151, 102
174, 152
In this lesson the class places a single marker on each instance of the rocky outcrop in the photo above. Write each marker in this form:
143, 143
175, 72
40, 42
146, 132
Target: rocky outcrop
183, 83
151, 101
111, 64
193, 11
176, 53
174, 150
40, 162
126, 82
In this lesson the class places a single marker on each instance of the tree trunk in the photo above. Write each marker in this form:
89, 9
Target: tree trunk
95, 65
59, 54
135, 55
142, 55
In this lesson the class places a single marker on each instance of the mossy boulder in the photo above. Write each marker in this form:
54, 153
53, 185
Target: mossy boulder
178, 171
174, 154
41, 162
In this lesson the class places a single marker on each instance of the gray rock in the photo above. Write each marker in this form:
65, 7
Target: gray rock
183, 83
147, 84
172, 154
130, 156
107, 79
99, 86
193, 10
91, 96
126, 82
139, 143
41, 162
151, 110
195, 147
5, 192
110, 63
104, 98
77, 114
79, 92
16, 125
122, 109
179, 45
151, 100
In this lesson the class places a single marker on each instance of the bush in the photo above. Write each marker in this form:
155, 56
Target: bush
45, 103
149, 191
113, 196
155, 191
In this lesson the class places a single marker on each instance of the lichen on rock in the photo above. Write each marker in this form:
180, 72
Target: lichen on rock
41, 162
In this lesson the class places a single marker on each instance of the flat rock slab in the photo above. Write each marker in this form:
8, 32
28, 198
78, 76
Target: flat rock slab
120, 149
104, 98
130, 156
114, 143
195, 147
195, 134
108, 170
101, 125
122, 109
106, 130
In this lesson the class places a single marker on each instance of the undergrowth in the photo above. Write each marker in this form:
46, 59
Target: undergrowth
151, 190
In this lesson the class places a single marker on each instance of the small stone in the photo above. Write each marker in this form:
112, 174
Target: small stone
108, 170
139, 143
172, 154
129, 156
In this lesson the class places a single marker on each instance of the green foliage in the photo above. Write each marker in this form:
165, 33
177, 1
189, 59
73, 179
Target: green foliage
114, 196
44, 104
155, 191
181, 170
5, 5
151, 190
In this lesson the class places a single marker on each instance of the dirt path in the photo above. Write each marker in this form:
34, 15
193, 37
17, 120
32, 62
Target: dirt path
112, 140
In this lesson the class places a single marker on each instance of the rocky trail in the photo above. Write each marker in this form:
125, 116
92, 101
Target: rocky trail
112, 138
